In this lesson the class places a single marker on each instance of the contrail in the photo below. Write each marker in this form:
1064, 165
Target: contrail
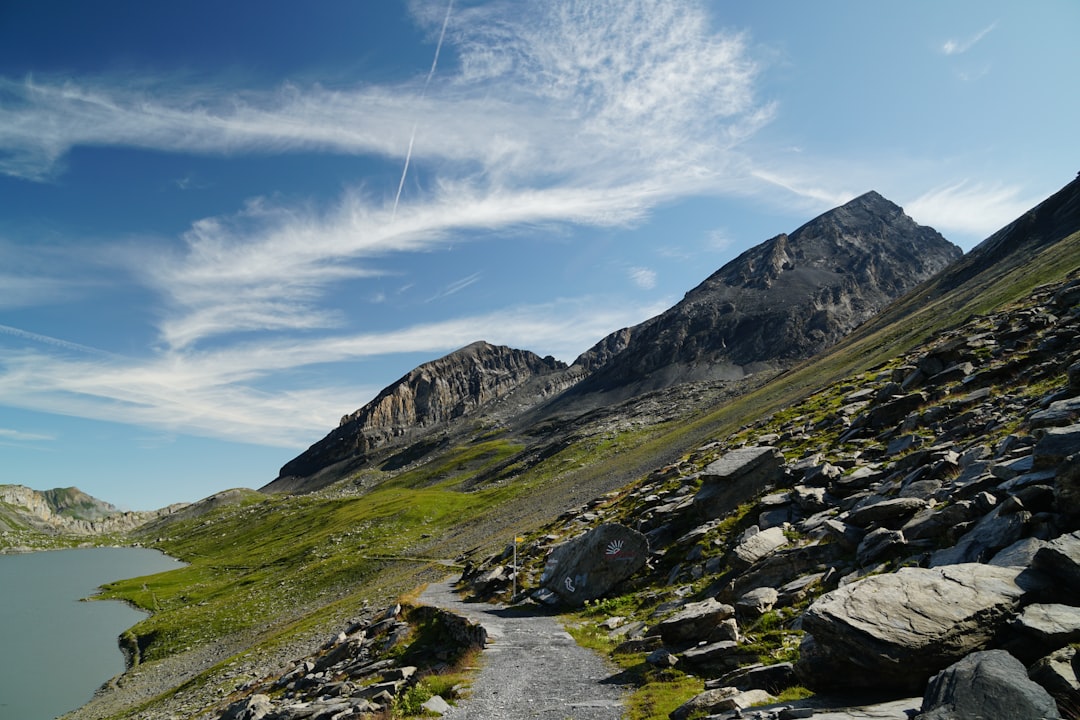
427, 81
55, 342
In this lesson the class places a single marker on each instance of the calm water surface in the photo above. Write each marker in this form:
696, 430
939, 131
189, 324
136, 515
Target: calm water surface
55, 651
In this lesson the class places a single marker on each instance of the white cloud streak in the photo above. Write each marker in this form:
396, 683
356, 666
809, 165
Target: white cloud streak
958, 47
644, 278
969, 208
217, 394
13, 436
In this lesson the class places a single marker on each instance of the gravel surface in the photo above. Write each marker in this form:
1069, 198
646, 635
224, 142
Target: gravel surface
531, 667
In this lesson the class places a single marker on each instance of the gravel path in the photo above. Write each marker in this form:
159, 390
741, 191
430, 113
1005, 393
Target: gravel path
531, 668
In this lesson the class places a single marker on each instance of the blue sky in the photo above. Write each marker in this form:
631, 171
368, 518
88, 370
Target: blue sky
225, 225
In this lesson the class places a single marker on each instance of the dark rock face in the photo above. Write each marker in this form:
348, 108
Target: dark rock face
986, 684
736, 477
436, 392
781, 301
589, 566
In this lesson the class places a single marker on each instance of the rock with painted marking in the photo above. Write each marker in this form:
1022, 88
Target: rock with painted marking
590, 565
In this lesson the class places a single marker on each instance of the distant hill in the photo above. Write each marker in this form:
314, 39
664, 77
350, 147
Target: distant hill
777, 303
65, 511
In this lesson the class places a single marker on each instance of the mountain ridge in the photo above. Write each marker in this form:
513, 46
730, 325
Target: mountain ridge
776, 303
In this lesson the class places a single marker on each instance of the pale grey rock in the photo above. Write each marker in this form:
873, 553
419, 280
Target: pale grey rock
846, 534
878, 545
758, 546
895, 630
719, 700
987, 684
756, 602
255, 707
1042, 628
662, 658
809, 499
694, 622
436, 705
1020, 554
707, 702
1057, 672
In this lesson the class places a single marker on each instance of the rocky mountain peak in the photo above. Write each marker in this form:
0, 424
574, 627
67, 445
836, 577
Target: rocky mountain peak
783, 300
434, 393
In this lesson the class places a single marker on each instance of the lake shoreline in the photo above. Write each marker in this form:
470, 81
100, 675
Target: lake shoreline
56, 623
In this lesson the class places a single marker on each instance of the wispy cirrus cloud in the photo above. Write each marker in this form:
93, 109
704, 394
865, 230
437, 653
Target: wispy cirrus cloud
549, 113
558, 112
958, 47
220, 393
970, 207
7, 435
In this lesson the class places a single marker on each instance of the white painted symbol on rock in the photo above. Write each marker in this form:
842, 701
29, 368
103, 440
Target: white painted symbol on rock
615, 547
570, 585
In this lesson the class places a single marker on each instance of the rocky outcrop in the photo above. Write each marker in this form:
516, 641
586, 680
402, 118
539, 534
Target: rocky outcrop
363, 671
896, 630
781, 301
430, 396
875, 548
589, 566
989, 684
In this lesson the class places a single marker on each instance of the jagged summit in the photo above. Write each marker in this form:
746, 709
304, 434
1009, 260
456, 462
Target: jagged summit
780, 301
434, 393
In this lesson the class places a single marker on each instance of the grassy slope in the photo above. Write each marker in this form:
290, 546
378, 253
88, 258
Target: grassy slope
266, 570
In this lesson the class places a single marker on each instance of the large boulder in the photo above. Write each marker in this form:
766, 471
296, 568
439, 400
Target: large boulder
737, 477
695, 622
590, 565
989, 684
1055, 446
1057, 672
896, 630
1060, 558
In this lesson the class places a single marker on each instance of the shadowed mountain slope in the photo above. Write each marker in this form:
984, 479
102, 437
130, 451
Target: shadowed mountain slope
782, 301
777, 303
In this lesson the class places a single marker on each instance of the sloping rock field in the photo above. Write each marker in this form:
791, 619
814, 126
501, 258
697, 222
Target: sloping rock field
912, 531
